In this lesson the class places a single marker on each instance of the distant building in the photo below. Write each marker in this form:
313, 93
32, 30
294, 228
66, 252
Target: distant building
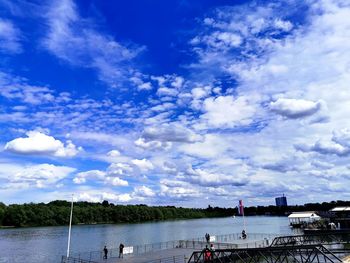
281, 201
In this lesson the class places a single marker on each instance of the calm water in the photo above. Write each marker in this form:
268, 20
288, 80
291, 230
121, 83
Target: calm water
48, 244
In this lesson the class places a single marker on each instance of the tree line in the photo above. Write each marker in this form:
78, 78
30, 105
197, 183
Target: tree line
322, 208
57, 212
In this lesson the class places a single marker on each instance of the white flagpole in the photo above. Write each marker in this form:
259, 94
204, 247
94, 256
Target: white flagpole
244, 225
70, 227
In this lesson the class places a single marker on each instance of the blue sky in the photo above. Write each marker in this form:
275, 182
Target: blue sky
183, 103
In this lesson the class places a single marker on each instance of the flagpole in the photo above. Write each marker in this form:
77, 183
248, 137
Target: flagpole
70, 226
244, 225
241, 211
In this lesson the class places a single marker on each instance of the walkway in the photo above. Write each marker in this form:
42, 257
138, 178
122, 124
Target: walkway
173, 255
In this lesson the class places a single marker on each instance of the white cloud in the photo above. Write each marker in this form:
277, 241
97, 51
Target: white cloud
40, 143
227, 111
73, 39
143, 191
206, 178
88, 197
92, 196
212, 146
117, 197
200, 92
120, 169
220, 40
116, 181
178, 190
113, 153
92, 174
164, 91
107, 178
36, 175
292, 108
150, 145
178, 82
143, 165
16, 88
9, 37
171, 132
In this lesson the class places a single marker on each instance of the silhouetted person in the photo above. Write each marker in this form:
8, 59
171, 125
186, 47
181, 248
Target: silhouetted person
207, 237
105, 251
244, 235
121, 248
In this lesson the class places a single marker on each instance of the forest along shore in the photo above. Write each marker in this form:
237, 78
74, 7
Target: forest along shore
57, 212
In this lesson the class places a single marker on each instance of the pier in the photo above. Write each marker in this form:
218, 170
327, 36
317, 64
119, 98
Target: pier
231, 248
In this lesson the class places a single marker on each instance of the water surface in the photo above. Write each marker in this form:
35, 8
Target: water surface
48, 244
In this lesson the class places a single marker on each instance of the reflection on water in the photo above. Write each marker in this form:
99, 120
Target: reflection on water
48, 244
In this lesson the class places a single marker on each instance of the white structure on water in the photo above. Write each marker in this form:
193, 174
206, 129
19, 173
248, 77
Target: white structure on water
298, 219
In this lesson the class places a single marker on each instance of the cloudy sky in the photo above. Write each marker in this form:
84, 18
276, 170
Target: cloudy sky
186, 102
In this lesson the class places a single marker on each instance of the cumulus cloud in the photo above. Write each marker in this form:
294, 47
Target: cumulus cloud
40, 143
93, 174
99, 176
143, 191
338, 144
38, 175
227, 111
150, 145
140, 193
178, 189
293, 108
113, 153
99, 197
324, 147
143, 164
120, 169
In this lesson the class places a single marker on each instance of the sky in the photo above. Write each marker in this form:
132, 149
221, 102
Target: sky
186, 103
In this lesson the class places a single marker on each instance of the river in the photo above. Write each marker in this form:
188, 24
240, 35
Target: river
48, 244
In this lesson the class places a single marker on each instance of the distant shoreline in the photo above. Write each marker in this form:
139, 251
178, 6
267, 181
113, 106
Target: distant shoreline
131, 223
56, 213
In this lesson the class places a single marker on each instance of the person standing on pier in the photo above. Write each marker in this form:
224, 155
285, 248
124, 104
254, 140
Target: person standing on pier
121, 248
105, 251
207, 237
244, 235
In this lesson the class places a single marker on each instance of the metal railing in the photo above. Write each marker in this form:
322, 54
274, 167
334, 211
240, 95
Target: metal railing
173, 259
334, 238
304, 253
75, 260
228, 241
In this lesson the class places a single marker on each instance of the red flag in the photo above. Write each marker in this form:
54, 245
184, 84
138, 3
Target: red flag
241, 207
